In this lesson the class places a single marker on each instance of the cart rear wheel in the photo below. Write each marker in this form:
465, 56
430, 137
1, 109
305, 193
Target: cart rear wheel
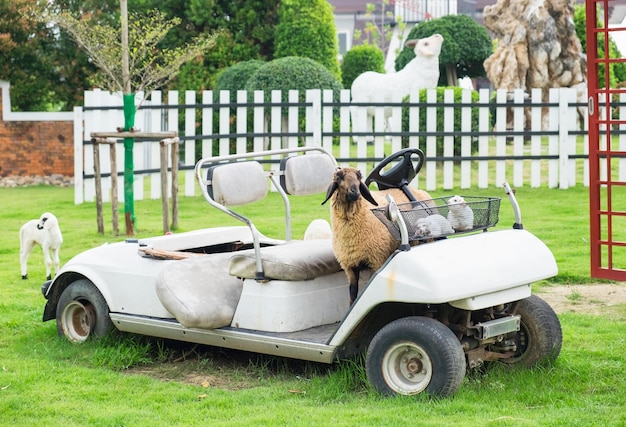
540, 336
82, 312
414, 355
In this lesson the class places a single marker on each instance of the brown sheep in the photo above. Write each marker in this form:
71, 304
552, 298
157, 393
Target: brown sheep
360, 240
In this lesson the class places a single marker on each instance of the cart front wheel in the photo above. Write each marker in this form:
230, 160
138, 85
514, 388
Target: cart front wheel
82, 312
414, 355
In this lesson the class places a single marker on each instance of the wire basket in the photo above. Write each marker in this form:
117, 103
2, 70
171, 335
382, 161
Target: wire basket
443, 216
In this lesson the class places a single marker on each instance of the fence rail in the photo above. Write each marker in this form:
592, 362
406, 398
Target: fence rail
481, 141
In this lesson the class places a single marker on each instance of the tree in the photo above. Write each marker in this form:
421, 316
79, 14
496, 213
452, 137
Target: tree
307, 28
466, 46
244, 31
45, 67
130, 61
379, 24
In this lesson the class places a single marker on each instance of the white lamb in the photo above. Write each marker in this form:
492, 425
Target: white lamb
460, 215
432, 226
422, 72
45, 232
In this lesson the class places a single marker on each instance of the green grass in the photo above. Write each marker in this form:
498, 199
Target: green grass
134, 381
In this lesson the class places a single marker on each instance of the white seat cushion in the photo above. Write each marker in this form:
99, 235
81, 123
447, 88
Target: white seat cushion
199, 292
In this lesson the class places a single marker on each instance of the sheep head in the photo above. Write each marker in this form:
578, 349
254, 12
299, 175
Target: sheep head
456, 201
46, 221
348, 184
426, 47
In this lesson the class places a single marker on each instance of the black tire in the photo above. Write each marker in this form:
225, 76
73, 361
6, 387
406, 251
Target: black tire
413, 355
82, 312
540, 337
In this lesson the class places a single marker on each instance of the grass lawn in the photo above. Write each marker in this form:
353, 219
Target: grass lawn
134, 381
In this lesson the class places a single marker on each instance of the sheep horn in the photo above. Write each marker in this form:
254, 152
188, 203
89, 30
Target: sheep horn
365, 192
331, 189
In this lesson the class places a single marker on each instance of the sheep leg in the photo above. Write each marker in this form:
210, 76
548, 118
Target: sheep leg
55, 260
25, 250
48, 260
353, 280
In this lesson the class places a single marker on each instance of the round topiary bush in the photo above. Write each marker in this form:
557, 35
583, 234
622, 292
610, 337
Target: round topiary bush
292, 72
360, 59
440, 119
234, 78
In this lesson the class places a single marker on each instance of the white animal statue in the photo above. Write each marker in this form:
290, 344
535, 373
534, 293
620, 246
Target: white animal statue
422, 72
45, 232
460, 215
432, 226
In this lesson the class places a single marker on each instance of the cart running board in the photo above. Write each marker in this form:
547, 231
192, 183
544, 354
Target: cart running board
230, 338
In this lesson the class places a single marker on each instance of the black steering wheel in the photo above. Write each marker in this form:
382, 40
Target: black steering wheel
410, 161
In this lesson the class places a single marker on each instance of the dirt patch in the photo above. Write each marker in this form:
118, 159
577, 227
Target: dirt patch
596, 299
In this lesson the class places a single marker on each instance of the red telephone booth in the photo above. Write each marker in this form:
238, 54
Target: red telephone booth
607, 146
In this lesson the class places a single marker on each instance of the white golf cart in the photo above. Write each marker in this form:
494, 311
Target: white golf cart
436, 306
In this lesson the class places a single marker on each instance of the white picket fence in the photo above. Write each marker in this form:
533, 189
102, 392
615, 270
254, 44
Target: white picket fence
524, 152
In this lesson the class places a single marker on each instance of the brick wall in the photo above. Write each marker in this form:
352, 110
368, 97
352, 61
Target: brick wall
35, 147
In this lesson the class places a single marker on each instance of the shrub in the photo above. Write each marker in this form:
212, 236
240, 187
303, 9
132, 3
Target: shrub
307, 28
360, 59
234, 78
440, 119
292, 72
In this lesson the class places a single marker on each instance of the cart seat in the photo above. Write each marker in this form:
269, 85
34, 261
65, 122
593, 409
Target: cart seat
199, 292
292, 261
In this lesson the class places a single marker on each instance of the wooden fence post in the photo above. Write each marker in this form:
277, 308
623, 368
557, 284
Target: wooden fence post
98, 184
114, 210
174, 158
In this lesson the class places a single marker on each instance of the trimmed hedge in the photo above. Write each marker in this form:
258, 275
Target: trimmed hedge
292, 72
360, 59
234, 78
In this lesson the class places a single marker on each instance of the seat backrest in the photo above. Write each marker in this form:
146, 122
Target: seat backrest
237, 183
307, 174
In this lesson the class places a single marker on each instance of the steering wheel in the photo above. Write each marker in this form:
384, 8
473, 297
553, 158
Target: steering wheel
401, 174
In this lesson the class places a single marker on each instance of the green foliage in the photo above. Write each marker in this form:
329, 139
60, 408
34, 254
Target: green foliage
234, 78
307, 28
292, 72
46, 69
617, 70
245, 31
360, 59
149, 66
458, 93
465, 47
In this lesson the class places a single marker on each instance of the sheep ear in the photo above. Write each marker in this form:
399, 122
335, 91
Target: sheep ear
331, 189
365, 192
411, 43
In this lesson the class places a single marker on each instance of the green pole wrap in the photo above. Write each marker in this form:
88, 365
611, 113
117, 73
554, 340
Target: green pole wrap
129, 167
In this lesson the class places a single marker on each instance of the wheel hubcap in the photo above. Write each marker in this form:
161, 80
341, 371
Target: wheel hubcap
407, 369
77, 321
